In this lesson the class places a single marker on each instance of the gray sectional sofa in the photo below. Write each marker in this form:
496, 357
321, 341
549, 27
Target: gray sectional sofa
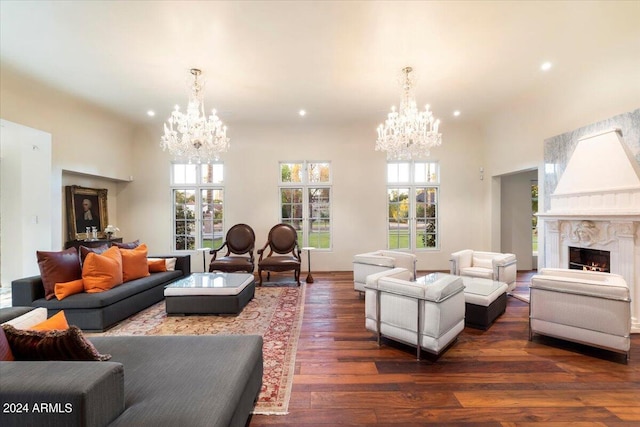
100, 311
154, 381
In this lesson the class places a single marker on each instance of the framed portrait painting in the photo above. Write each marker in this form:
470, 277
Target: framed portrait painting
86, 207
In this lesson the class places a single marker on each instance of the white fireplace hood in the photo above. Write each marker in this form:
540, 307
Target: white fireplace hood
602, 178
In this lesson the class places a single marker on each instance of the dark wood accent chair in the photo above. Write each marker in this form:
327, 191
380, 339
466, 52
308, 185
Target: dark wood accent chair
240, 240
284, 252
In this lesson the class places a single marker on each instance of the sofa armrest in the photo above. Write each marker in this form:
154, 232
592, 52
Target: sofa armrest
25, 291
61, 393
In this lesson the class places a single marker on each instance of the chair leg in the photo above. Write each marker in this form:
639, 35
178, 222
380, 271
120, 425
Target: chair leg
296, 273
260, 275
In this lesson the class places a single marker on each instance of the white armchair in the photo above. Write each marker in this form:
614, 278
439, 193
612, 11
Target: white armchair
375, 262
586, 307
428, 314
486, 265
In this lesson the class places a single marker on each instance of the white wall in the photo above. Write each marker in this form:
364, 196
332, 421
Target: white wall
25, 199
92, 143
359, 189
516, 217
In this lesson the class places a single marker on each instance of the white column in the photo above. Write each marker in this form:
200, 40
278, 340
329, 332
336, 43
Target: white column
552, 244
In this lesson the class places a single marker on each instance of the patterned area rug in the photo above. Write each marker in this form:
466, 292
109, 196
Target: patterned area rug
275, 313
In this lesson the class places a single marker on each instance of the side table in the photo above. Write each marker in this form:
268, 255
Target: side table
309, 276
204, 258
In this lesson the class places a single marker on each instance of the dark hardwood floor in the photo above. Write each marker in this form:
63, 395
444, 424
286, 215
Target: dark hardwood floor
487, 378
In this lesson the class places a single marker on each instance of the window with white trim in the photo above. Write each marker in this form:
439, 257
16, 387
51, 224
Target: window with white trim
305, 201
412, 205
197, 192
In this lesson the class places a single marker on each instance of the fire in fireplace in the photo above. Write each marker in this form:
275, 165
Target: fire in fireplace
589, 259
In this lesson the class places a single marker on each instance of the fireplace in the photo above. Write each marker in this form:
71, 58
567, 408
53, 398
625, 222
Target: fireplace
589, 259
592, 221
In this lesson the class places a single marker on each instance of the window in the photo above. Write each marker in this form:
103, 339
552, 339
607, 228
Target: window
305, 201
197, 192
412, 205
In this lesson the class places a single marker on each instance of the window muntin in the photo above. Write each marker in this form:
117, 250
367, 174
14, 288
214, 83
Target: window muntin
198, 208
305, 201
413, 206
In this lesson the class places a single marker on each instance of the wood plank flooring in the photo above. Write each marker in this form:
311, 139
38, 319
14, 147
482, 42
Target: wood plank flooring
487, 378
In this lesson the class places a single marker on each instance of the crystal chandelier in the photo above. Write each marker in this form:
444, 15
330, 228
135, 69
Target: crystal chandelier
408, 133
192, 136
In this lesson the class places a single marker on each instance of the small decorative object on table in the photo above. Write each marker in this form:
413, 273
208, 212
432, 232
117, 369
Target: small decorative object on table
110, 230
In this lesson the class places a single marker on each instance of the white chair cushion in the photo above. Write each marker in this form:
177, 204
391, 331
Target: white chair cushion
477, 272
482, 262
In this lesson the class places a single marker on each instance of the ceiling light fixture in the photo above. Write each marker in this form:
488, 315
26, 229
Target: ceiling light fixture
546, 66
408, 133
151, 113
192, 136
302, 113
456, 113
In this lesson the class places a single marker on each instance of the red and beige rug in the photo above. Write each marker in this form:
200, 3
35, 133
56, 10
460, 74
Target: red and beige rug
275, 313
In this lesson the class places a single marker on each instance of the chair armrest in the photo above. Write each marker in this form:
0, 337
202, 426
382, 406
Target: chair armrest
461, 259
25, 291
504, 260
214, 252
396, 273
373, 259
61, 393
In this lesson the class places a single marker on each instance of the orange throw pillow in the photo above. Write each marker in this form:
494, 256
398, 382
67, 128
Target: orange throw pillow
134, 263
56, 322
101, 272
157, 265
65, 289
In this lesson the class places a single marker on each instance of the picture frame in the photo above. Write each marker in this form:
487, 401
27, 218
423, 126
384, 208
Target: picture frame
86, 207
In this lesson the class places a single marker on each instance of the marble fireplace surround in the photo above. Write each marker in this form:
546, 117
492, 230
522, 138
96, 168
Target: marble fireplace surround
592, 191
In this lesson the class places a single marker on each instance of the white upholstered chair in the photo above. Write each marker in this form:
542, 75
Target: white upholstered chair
486, 265
428, 314
375, 262
586, 307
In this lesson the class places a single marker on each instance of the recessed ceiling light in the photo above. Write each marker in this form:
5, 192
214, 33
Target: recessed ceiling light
456, 113
151, 113
302, 113
546, 66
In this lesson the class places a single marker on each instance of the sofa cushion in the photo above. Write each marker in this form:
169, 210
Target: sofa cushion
84, 251
101, 272
198, 381
63, 290
57, 267
22, 317
126, 245
5, 351
68, 344
134, 263
169, 263
86, 300
156, 265
57, 321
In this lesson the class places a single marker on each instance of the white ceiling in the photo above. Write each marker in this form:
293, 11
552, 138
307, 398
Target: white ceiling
339, 60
